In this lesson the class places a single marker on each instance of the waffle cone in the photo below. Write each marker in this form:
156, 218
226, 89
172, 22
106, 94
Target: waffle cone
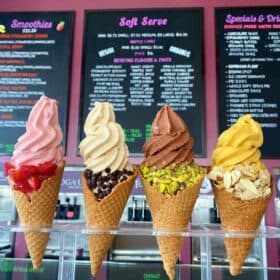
104, 214
38, 212
239, 215
170, 213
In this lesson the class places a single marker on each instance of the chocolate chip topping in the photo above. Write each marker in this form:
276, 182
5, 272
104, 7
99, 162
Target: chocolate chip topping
102, 184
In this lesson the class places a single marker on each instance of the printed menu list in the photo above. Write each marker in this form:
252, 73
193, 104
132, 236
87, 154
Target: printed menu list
34, 60
248, 52
139, 61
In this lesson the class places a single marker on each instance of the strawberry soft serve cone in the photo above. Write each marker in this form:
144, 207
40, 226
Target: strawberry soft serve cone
107, 181
171, 182
38, 212
242, 186
35, 174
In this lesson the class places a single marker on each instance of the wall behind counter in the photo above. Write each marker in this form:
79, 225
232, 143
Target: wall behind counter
209, 55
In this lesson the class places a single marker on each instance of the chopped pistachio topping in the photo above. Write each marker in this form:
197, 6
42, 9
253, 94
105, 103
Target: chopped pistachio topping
173, 178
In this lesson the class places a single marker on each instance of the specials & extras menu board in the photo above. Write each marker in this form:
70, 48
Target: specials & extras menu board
35, 52
140, 60
248, 55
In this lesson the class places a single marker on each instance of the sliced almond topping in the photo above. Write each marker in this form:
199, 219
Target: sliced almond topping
248, 171
227, 180
215, 174
237, 194
249, 185
239, 187
230, 190
264, 176
260, 192
247, 195
235, 176
212, 175
249, 182
242, 168
258, 183
252, 168
266, 192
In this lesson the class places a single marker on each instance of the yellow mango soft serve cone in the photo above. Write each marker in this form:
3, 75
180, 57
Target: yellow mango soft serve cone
171, 182
107, 180
242, 185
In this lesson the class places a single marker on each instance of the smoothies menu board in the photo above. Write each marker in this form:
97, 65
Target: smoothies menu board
248, 54
140, 60
35, 50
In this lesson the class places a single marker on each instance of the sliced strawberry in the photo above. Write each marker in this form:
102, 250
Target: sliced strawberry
28, 178
18, 187
23, 186
17, 175
7, 167
34, 182
28, 170
42, 177
47, 168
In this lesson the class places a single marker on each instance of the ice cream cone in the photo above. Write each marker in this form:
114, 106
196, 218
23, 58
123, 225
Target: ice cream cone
239, 215
38, 212
170, 213
104, 214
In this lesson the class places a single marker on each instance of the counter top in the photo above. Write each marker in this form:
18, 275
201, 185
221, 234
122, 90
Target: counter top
145, 229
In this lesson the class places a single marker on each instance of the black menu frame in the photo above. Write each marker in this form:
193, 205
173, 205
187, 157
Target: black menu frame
56, 55
96, 21
270, 148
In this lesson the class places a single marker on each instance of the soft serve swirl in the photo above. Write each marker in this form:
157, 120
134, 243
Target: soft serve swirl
239, 144
170, 142
42, 140
104, 145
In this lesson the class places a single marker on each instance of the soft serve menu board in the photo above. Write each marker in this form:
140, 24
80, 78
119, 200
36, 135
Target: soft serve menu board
139, 61
35, 50
248, 54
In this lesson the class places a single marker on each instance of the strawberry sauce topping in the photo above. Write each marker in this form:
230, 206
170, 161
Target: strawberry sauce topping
28, 178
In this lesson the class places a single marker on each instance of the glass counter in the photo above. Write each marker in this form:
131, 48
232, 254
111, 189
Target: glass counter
69, 265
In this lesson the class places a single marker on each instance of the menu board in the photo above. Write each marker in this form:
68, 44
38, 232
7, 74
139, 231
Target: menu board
140, 60
248, 55
35, 51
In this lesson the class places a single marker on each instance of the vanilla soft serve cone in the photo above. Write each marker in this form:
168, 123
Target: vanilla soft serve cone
35, 173
171, 182
107, 180
242, 185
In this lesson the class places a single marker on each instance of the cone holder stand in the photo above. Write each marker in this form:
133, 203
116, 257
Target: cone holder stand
67, 258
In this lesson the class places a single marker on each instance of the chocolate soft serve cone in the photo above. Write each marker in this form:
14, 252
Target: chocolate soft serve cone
35, 174
171, 182
107, 181
242, 186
